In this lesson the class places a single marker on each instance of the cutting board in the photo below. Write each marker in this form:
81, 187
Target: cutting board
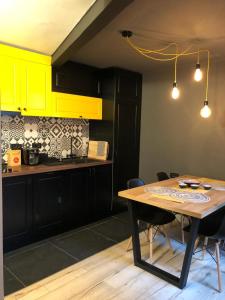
98, 150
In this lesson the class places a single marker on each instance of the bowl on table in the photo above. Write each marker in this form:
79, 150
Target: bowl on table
182, 185
207, 186
190, 182
194, 186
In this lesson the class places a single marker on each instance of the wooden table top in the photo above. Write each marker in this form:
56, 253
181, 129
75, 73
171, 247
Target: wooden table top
197, 210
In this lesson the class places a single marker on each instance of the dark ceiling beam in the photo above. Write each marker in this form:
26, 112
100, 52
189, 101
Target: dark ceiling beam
101, 13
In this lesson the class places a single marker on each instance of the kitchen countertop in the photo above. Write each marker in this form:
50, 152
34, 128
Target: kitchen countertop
41, 168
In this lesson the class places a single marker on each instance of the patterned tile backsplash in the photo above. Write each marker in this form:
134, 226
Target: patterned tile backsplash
54, 134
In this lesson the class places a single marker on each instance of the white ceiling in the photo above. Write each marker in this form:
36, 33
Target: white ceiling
39, 25
199, 23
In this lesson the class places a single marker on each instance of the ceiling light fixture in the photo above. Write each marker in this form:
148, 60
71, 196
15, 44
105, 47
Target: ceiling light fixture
175, 91
164, 54
198, 72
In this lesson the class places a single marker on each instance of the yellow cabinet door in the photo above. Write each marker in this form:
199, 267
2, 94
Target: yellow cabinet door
75, 106
36, 89
10, 84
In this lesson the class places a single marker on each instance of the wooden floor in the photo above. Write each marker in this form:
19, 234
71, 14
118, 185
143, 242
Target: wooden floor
111, 274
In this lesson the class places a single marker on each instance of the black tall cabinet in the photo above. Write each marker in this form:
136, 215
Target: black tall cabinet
121, 93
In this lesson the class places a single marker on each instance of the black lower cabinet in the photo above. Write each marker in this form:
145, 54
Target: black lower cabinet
17, 211
38, 206
77, 210
100, 192
49, 200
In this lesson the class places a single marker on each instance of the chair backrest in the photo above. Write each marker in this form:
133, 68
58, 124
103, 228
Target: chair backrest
162, 176
174, 175
134, 182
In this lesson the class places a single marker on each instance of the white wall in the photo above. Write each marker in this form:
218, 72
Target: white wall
173, 135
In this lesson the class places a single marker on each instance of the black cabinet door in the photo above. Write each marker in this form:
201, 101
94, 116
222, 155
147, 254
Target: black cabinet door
128, 84
78, 209
127, 132
17, 211
100, 192
75, 78
49, 202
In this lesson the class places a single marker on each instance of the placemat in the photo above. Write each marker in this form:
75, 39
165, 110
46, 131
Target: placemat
174, 194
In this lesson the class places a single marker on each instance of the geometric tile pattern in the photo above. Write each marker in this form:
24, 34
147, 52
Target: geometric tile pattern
54, 134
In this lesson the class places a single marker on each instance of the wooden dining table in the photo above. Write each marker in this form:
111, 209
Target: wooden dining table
195, 211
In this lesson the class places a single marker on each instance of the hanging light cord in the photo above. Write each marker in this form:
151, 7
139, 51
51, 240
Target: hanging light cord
172, 56
207, 76
175, 66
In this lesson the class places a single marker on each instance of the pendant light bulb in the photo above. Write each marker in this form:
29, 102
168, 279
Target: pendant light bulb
205, 111
198, 73
175, 91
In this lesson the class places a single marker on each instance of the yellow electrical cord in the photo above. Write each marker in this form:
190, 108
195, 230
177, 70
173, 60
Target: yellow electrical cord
207, 76
175, 66
159, 52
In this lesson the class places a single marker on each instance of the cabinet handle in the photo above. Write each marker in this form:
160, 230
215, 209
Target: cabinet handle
57, 79
59, 200
98, 87
25, 109
19, 108
118, 85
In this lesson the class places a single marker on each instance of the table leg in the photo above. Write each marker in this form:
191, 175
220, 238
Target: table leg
177, 281
189, 253
134, 233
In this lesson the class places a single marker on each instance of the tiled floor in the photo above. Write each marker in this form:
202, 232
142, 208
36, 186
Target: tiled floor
32, 263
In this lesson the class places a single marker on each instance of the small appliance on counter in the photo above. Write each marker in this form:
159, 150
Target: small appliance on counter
31, 156
98, 150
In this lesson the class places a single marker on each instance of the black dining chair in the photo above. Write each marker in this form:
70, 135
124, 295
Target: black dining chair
151, 215
162, 176
174, 175
212, 227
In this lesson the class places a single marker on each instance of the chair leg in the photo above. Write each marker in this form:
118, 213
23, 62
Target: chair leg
129, 244
167, 238
182, 231
147, 234
150, 241
218, 266
204, 246
196, 243
130, 239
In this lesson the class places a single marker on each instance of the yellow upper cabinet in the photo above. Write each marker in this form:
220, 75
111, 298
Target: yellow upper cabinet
75, 106
25, 81
36, 90
10, 96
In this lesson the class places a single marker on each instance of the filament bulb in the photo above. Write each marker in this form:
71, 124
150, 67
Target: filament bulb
175, 91
198, 73
205, 112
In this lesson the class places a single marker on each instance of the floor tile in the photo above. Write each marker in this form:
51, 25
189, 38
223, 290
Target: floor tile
11, 283
83, 243
114, 229
124, 217
37, 263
